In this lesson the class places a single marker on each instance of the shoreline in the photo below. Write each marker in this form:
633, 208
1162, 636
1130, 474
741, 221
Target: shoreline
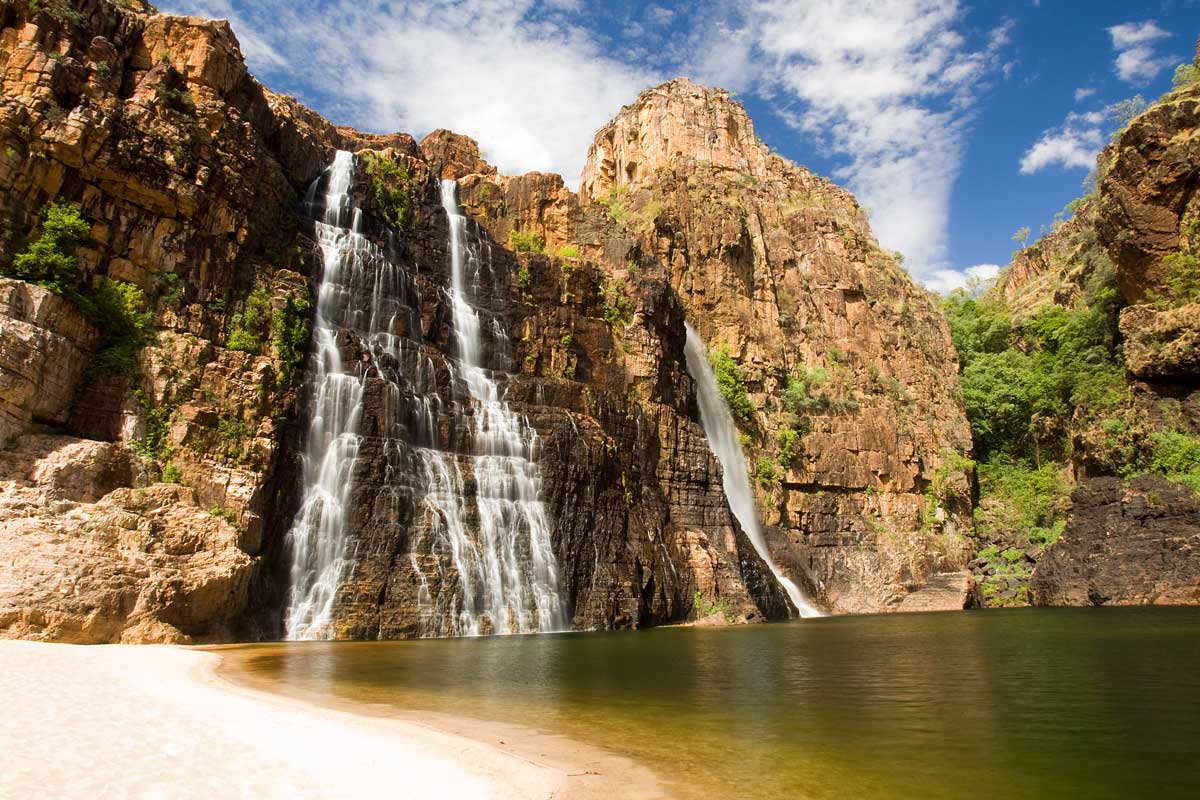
155, 720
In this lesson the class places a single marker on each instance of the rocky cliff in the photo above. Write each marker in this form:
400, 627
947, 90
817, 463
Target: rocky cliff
1128, 258
149, 481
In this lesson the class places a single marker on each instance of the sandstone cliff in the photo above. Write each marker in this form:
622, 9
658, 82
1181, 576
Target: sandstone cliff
1133, 242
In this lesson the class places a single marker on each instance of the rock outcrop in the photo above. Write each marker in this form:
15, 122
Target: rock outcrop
779, 266
1130, 541
1135, 543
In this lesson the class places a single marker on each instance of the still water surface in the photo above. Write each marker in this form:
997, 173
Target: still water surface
1030, 703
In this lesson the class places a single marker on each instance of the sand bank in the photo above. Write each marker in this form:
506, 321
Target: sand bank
140, 722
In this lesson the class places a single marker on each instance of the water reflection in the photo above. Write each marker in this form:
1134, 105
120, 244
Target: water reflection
1031, 703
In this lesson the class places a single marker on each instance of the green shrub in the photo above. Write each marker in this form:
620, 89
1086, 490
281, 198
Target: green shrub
801, 396
120, 311
1027, 501
1177, 456
171, 474
525, 242
568, 251
225, 514
50, 260
1185, 75
618, 307
615, 203
394, 190
250, 328
705, 609
289, 334
731, 384
1182, 281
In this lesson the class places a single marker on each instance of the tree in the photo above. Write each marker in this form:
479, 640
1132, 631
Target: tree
50, 260
1122, 113
1022, 236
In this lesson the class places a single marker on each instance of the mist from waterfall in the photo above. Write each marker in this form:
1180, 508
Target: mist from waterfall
722, 438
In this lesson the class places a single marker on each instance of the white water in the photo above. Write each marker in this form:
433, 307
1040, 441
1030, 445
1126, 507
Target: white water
461, 479
722, 438
317, 538
508, 572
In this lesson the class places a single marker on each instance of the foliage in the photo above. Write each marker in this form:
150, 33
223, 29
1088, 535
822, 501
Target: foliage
249, 328
289, 334
225, 514
120, 311
1177, 456
49, 260
801, 396
568, 251
525, 242
706, 609
394, 190
1123, 113
766, 472
1022, 236
1185, 75
171, 474
731, 384
618, 307
789, 445
1019, 383
1182, 281
1008, 568
1028, 501
615, 203
158, 423
61, 10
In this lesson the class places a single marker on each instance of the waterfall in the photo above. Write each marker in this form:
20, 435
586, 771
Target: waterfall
461, 476
317, 539
722, 438
509, 574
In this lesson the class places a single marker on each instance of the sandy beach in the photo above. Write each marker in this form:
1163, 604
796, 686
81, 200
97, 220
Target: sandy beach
152, 721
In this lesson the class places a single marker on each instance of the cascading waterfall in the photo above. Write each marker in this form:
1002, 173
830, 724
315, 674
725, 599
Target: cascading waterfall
317, 538
508, 573
480, 555
722, 438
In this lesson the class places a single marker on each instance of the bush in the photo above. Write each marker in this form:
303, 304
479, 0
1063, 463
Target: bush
120, 311
525, 242
1177, 456
393, 189
171, 474
50, 260
568, 251
618, 307
800, 396
731, 384
615, 203
250, 328
289, 334
1028, 501
1182, 281
1185, 75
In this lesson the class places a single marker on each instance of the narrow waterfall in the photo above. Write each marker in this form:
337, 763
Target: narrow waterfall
317, 539
461, 483
722, 437
508, 573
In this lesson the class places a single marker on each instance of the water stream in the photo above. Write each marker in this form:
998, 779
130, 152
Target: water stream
722, 437
460, 464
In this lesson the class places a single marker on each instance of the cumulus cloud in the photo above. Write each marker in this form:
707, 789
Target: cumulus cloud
944, 281
518, 75
887, 84
1072, 145
1084, 92
1137, 59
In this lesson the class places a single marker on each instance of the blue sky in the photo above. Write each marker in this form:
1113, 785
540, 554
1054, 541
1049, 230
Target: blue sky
955, 122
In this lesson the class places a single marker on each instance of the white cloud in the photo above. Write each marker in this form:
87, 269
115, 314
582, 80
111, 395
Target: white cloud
1132, 34
1074, 144
1137, 60
944, 281
1084, 92
887, 84
516, 75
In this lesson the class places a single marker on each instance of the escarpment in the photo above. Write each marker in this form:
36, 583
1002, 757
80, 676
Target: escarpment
1114, 287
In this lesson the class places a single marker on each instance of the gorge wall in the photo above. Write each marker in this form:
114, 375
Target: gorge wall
1124, 265
148, 482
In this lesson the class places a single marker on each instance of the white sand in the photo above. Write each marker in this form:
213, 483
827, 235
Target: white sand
147, 722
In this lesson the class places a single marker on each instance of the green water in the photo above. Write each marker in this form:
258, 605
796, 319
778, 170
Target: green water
1032, 703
